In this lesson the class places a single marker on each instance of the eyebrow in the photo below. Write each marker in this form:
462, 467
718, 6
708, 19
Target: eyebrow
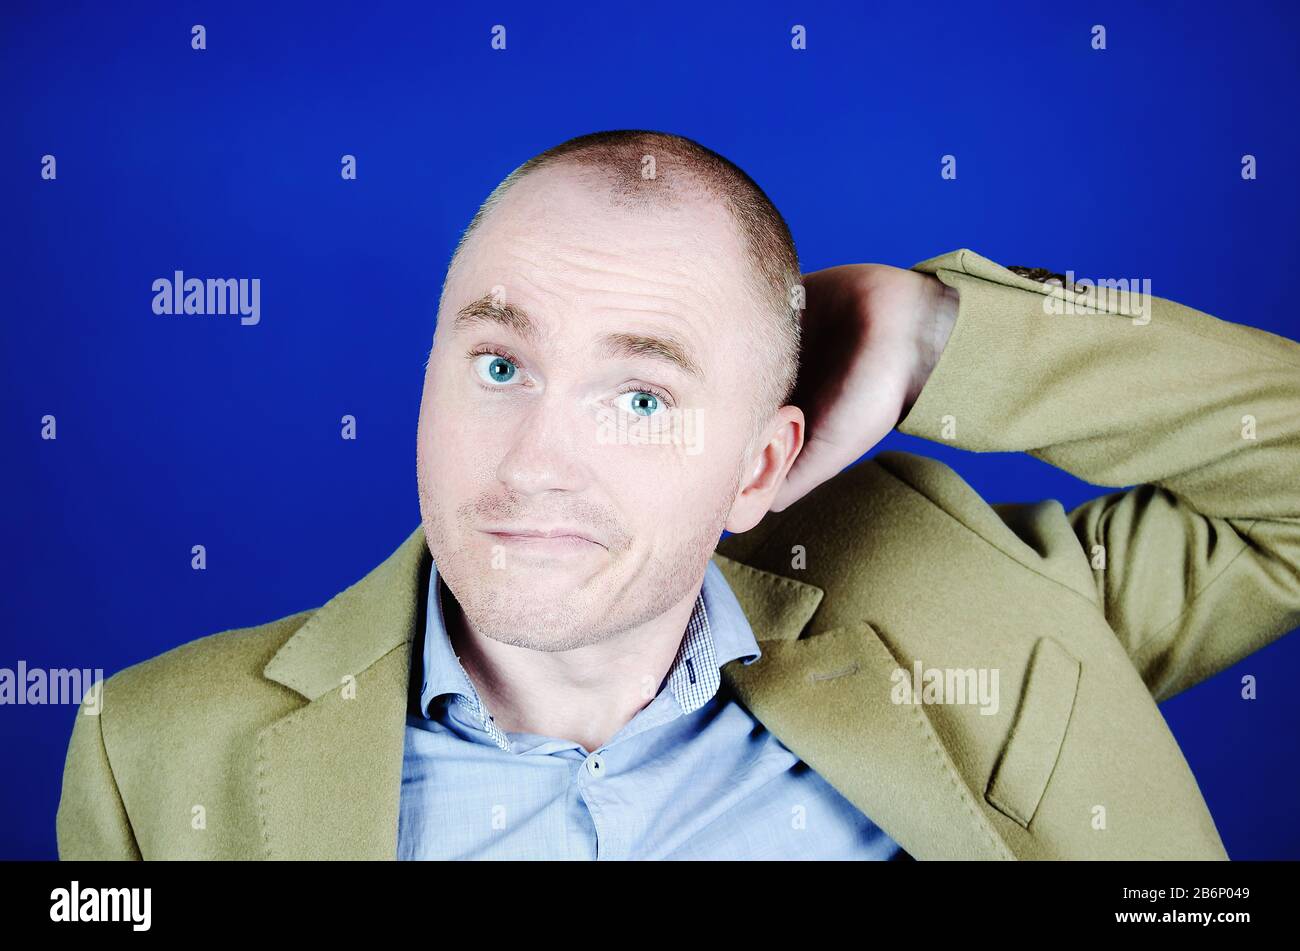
665, 348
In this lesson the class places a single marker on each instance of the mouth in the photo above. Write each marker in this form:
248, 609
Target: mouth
551, 541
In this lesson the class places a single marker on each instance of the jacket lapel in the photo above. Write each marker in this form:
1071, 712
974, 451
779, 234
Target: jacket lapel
827, 696
328, 774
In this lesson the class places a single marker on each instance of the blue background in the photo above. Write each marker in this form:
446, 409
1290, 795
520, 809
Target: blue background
225, 162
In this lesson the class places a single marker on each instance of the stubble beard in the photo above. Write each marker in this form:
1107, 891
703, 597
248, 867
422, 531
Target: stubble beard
600, 609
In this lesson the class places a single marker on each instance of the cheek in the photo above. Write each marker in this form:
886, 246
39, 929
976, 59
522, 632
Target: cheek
460, 418
662, 493
459, 456
456, 449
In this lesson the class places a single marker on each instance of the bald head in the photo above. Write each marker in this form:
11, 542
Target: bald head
641, 171
615, 341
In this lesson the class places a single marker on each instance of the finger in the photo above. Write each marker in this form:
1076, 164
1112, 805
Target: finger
819, 461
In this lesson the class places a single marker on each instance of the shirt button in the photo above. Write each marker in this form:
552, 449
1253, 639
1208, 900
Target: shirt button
596, 765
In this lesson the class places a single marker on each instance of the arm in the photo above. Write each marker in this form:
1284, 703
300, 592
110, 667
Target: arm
92, 822
1202, 556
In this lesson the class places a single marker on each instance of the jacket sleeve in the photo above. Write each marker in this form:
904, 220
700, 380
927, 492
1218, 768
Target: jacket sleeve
1197, 564
91, 822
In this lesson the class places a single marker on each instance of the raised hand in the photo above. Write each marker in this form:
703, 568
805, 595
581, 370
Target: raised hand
872, 334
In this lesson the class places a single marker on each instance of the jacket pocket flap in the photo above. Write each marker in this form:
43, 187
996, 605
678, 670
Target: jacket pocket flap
1020, 777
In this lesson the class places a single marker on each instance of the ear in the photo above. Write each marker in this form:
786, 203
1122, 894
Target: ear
774, 452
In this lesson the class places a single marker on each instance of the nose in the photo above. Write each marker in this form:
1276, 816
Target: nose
546, 448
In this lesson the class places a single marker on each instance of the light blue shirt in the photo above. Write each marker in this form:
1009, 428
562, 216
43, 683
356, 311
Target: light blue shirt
693, 775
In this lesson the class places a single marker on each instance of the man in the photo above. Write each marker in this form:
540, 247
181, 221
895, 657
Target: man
563, 662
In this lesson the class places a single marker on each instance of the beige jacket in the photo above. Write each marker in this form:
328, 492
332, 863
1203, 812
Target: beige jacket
251, 743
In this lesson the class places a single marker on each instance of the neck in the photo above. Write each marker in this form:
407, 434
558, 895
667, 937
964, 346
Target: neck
585, 695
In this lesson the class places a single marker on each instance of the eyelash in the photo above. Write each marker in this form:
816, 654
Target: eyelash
505, 354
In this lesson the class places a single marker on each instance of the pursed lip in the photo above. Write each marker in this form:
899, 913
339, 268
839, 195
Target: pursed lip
522, 531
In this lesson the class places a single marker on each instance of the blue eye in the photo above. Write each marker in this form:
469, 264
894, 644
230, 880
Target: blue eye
643, 402
498, 369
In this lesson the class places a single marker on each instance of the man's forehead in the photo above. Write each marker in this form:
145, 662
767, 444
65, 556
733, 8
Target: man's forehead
557, 224
612, 337
557, 254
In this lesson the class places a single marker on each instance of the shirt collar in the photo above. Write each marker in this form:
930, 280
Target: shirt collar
717, 633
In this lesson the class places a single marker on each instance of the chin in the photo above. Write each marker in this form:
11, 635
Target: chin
536, 625
524, 588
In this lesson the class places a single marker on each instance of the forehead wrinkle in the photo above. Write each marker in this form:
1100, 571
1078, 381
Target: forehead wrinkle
684, 303
672, 270
582, 286
671, 291
663, 297
576, 257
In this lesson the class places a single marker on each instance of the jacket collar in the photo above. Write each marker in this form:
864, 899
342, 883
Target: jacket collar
329, 773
